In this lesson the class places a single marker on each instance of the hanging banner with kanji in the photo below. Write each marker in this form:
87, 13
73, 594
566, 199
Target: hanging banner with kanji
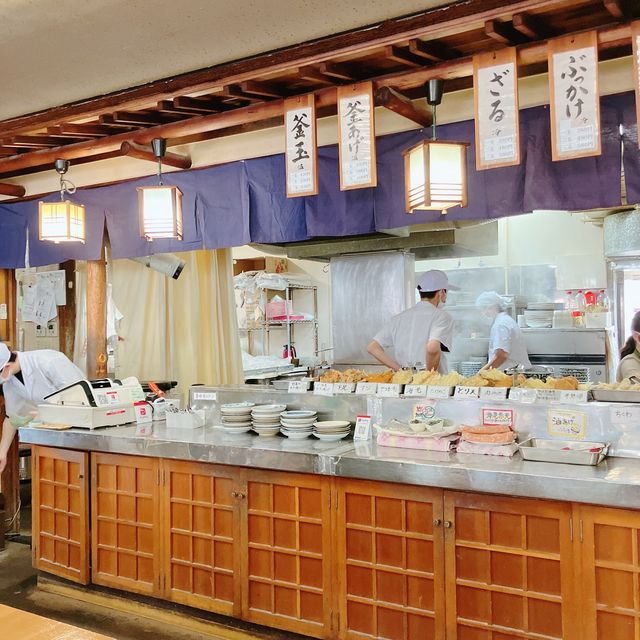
635, 37
575, 101
301, 150
357, 141
495, 90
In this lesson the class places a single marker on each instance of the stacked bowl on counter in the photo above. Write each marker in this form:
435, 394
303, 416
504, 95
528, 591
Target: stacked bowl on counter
236, 417
297, 425
265, 419
331, 430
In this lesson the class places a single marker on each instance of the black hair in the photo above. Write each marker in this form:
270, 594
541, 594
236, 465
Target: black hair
630, 345
428, 295
12, 357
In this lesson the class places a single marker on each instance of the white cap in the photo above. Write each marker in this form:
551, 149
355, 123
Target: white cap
490, 299
434, 280
5, 354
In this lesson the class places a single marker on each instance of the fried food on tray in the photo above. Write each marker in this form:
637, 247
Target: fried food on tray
451, 379
331, 376
624, 385
404, 376
424, 377
568, 383
474, 381
382, 378
353, 375
496, 378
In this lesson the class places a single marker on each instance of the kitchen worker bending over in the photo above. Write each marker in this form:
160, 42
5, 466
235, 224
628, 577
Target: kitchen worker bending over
418, 335
507, 348
26, 378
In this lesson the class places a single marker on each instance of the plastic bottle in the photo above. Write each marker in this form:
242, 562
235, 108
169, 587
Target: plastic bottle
569, 302
580, 300
603, 300
590, 297
577, 313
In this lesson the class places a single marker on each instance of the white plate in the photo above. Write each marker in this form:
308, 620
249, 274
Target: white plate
296, 435
298, 420
296, 427
237, 418
331, 424
298, 414
235, 407
269, 408
236, 430
267, 433
331, 437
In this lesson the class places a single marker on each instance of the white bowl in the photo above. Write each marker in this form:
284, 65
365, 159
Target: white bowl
331, 425
330, 437
269, 408
235, 408
267, 433
298, 414
296, 435
236, 430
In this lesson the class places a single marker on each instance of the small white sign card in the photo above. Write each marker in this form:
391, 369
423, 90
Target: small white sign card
301, 150
357, 141
495, 90
575, 101
635, 37
363, 428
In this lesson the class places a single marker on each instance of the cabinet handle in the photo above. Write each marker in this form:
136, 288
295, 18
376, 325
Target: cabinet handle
437, 522
447, 524
238, 494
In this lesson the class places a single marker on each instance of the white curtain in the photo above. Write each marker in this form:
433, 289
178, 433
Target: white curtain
183, 329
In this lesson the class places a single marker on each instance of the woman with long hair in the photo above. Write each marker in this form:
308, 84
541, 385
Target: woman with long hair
630, 354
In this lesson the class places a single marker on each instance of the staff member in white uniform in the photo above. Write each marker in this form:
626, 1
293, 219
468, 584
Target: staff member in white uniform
507, 348
419, 334
26, 378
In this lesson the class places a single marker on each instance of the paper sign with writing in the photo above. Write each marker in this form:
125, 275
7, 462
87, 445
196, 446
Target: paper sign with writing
467, 392
363, 428
424, 411
546, 395
204, 395
523, 395
436, 392
575, 101
366, 388
625, 414
493, 393
635, 37
497, 417
301, 151
495, 90
323, 389
388, 390
298, 386
414, 390
356, 142
566, 424
343, 387
572, 396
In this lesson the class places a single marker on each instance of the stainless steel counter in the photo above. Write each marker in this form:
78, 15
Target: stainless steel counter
615, 482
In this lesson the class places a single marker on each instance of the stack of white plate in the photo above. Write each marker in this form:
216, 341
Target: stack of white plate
538, 319
266, 418
331, 430
297, 425
469, 368
236, 417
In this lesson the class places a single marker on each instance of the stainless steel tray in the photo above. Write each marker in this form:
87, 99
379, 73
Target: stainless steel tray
608, 395
565, 451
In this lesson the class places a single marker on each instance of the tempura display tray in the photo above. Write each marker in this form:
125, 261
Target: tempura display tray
564, 451
609, 395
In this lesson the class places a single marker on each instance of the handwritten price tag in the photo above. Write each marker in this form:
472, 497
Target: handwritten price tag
497, 417
546, 395
367, 388
467, 392
343, 387
493, 393
363, 428
625, 414
573, 396
567, 424
298, 386
388, 391
438, 392
323, 389
413, 390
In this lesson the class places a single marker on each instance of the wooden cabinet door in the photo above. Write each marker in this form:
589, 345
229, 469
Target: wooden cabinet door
509, 565
60, 512
125, 522
202, 554
610, 579
390, 561
287, 533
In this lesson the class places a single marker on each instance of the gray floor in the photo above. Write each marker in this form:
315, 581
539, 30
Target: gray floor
18, 589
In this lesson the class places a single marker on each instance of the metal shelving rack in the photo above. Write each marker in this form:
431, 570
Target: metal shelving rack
266, 326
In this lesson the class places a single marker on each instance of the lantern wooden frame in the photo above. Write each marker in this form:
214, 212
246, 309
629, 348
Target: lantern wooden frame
61, 221
167, 227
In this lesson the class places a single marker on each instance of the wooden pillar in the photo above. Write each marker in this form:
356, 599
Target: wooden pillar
97, 318
67, 313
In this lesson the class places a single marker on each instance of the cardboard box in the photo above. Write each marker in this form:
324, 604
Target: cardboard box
276, 265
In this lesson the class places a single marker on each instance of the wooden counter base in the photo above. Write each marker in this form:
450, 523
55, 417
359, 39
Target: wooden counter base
334, 557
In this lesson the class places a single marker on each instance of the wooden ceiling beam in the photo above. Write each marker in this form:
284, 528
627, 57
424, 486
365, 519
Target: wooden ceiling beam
134, 150
235, 91
396, 102
337, 70
262, 89
503, 32
609, 38
70, 130
403, 56
619, 9
311, 74
200, 105
6, 151
123, 117
13, 190
432, 50
26, 142
532, 27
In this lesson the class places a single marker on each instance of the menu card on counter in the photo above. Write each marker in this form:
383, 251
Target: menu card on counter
388, 390
467, 392
367, 388
415, 390
344, 387
493, 393
323, 389
567, 424
436, 392
298, 386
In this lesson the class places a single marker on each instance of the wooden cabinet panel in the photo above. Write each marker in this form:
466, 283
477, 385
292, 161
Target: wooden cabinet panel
509, 565
390, 561
202, 536
287, 533
125, 522
610, 573
60, 512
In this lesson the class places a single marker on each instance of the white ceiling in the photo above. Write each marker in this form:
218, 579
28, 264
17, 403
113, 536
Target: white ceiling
54, 53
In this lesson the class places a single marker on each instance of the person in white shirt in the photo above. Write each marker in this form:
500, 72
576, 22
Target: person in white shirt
418, 335
507, 348
26, 378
